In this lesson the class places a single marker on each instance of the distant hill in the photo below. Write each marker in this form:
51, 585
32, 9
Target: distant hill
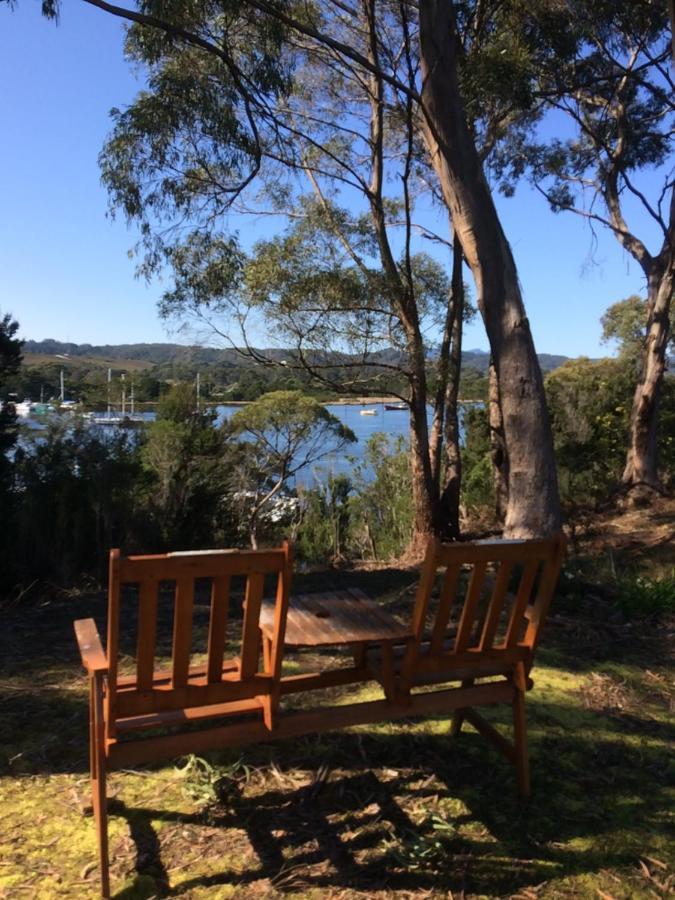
152, 354
139, 355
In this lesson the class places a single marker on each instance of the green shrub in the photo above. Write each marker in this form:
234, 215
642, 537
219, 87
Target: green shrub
478, 489
383, 507
326, 523
75, 496
589, 402
647, 596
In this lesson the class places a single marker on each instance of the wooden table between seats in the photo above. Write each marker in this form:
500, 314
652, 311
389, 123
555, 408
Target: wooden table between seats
338, 618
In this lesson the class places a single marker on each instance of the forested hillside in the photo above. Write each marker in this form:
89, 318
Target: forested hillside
158, 354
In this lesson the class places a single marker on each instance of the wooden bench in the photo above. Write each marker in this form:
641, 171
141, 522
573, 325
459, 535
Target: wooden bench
474, 629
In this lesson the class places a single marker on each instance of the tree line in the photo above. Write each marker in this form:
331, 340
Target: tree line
87, 382
69, 493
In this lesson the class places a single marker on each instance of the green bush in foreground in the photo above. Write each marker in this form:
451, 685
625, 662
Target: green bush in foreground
646, 596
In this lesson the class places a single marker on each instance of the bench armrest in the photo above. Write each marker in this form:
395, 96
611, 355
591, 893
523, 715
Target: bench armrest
91, 651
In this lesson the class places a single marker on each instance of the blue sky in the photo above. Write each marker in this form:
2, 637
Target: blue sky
65, 272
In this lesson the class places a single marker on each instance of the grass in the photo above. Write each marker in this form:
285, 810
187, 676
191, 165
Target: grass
394, 809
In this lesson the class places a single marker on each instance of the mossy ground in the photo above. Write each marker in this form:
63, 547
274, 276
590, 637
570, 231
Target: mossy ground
375, 811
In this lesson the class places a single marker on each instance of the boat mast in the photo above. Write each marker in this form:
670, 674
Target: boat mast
63, 395
109, 380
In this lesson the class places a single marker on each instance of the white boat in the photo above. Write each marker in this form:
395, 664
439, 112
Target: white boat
118, 420
368, 412
109, 419
23, 409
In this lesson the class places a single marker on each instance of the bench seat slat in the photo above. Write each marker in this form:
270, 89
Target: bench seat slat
496, 606
191, 714
182, 630
147, 631
165, 697
129, 682
220, 597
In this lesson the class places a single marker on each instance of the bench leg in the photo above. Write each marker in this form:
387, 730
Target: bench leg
459, 714
520, 732
98, 779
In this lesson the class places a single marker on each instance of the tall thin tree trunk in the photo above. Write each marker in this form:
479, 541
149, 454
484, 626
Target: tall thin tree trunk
437, 430
498, 453
424, 495
452, 482
533, 505
641, 471
402, 295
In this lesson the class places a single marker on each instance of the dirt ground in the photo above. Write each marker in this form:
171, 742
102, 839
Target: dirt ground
378, 811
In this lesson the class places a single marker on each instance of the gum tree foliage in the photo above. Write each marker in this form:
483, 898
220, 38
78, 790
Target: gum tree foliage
283, 432
221, 110
625, 324
382, 512
617, 91
361, 296
589, 402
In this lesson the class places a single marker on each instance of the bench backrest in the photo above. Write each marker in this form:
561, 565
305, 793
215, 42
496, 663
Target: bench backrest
170, 579
492, 600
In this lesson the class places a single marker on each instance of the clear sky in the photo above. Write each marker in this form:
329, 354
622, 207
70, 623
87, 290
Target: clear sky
65, 272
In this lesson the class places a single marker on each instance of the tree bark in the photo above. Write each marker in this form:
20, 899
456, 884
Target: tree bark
403, 300
498, 453
533, 505
450, 495
641, 472
424, 495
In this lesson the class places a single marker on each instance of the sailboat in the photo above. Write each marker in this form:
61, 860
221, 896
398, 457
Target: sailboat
66, 405
121, 419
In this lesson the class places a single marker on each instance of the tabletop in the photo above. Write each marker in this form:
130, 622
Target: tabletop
334, 617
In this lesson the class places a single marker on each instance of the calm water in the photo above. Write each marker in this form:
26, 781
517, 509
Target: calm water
394, 423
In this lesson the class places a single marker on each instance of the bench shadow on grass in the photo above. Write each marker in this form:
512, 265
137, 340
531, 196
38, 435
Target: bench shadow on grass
416, 811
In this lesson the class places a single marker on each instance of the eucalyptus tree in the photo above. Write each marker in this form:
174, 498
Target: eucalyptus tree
624, 323
350, 281
617, 90
284, 431
220, 75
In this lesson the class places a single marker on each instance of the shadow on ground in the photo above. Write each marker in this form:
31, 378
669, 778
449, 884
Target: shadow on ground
452, 822
393, 808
